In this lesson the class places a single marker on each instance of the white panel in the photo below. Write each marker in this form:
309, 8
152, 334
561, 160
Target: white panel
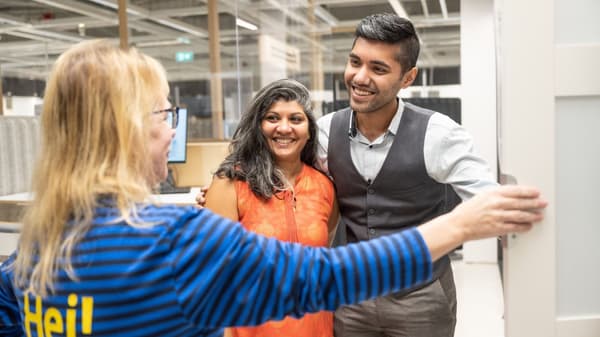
578, 327
577, 200
527, 122
577, 21
478, 80
577, 69
272, 57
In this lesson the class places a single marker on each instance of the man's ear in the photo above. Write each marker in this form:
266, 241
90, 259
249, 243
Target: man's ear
409, 77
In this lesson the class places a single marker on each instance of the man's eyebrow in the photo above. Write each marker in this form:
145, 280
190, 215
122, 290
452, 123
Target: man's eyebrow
374, 62
380, 63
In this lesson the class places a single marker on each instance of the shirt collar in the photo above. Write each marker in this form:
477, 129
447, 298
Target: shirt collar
392, 128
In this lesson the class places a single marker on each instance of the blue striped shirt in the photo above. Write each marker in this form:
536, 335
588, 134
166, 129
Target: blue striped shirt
193, 272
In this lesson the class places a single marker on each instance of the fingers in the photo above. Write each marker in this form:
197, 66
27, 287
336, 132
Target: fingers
515, 203
517, 197
507, 209
201, 197
520, 216
519, 191
200, 200
517, 227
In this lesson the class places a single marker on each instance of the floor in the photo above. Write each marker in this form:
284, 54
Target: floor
480, 302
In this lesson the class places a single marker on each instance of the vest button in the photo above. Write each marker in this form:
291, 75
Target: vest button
371, 191
371, 211
372, 231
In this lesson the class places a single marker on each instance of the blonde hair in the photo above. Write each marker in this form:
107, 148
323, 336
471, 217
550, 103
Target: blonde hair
95, 123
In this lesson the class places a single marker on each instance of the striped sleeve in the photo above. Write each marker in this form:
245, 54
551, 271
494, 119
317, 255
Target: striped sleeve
10, 320
227, 276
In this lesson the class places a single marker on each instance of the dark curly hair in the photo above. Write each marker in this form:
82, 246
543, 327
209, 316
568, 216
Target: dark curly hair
250, 158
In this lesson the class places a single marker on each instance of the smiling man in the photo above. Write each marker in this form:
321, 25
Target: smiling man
392, 164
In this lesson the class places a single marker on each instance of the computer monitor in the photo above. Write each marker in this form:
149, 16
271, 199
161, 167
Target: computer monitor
178, 153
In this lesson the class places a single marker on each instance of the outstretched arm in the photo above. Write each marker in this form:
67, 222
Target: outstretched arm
227, 276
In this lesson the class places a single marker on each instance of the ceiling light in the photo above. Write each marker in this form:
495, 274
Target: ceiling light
158, 43
113, 5
183, 40
81, 29
180, 27
245, 24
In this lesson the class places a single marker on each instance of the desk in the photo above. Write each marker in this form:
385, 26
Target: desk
181, 199
10, 227
17, 198
11, 205
175, 198
11, 209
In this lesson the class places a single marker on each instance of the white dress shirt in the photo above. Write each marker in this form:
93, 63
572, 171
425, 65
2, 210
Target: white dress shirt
448, 152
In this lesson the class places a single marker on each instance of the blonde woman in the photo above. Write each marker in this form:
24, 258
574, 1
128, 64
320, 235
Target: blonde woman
97, 258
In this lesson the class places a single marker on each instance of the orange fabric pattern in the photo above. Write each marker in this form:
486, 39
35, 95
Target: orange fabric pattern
301, 218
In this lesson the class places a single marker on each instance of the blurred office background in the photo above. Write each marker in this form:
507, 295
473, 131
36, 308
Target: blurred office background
521, 76
254, 43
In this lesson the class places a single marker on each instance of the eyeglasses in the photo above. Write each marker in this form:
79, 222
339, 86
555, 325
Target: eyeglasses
172, 115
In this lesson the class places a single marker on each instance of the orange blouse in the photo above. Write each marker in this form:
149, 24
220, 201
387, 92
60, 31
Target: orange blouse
302, 219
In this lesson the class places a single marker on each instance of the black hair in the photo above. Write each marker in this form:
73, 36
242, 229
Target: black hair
392, 29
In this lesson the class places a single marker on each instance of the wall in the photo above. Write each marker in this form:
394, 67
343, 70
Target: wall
577, 90
550, 56
527, 131
203, 158
478, 77
449, 91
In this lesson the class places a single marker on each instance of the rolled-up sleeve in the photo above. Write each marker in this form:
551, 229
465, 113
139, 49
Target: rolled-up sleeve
450, 158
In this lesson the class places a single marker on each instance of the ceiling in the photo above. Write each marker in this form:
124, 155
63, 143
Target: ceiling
34, 32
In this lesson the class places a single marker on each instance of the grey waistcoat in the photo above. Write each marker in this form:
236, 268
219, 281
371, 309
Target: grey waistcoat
401, 195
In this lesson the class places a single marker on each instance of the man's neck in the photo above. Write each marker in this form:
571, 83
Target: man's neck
375, 123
